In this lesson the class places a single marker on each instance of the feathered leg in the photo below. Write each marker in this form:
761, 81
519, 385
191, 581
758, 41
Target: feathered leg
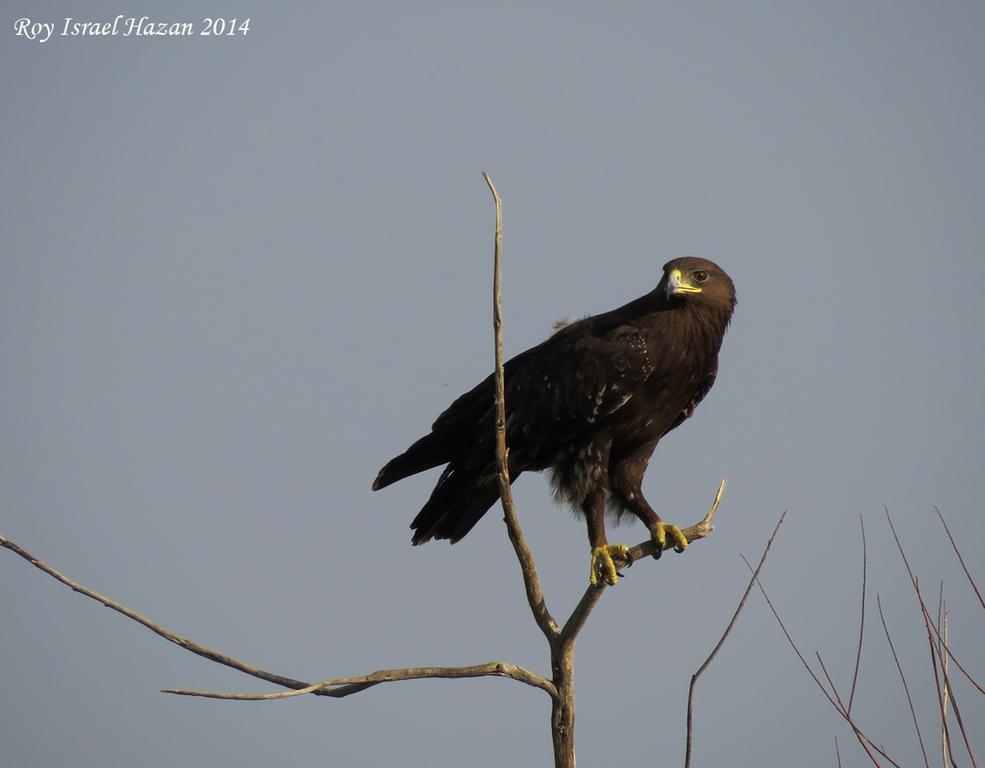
626, 477
603, 566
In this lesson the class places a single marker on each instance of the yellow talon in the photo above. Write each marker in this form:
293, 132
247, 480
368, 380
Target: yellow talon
663, 531
603, 563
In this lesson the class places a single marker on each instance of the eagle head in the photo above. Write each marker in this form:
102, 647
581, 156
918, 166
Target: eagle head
697, 281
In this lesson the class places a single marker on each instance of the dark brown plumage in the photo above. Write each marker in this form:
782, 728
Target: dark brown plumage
591, 403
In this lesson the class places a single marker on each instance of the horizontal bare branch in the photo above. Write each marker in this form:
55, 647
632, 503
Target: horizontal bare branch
153, 626
336, 688
343, 686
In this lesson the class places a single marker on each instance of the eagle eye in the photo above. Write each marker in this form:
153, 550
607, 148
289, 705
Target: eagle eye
700, 275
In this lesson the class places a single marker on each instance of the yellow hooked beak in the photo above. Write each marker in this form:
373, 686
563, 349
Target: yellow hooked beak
678, 285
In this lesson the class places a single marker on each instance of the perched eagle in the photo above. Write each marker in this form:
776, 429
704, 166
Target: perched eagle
590, 403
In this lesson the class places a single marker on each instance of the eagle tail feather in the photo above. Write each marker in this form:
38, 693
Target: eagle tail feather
430, 451
458, 502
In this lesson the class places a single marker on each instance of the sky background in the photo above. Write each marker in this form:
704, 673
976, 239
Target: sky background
240, 274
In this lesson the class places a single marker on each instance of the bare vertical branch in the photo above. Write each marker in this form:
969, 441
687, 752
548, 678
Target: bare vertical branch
930, 637
531, 581
957, 662
861, 621
944, 684
942, 654
837, 751
956, 708
935, 650
562, 661
906, 688
721, 640
933, 661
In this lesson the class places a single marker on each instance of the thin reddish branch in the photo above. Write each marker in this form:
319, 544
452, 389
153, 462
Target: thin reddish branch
906, 688
861, 622
957, 552
721, 640
935, 656
933, 663
957, 662
790, 639
954, 699
923, 606
942, 657
864, 740
931, 632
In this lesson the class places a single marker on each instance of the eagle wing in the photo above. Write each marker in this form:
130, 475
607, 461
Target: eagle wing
555, 391
574, 382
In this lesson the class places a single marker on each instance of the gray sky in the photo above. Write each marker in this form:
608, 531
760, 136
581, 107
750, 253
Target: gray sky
240, 274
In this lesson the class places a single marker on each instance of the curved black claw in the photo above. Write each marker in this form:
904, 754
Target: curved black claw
603, 566
663, 532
